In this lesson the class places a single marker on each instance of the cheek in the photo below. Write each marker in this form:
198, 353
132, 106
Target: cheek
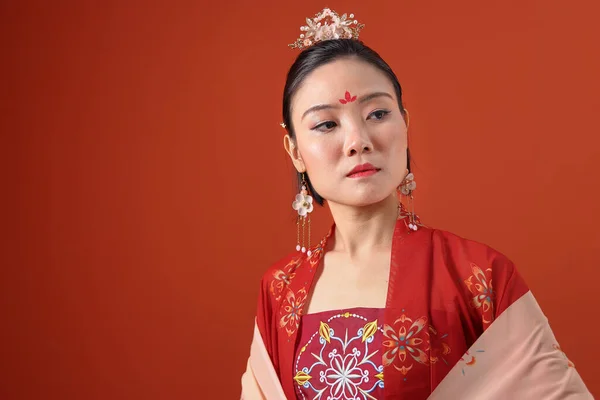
319, 152
393, 144
394, 147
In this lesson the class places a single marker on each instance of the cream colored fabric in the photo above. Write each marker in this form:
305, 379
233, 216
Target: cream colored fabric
517, 357
260, 380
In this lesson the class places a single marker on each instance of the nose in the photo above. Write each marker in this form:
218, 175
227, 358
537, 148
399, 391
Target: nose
357, 141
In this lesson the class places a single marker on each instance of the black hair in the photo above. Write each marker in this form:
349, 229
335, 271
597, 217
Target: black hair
318, 55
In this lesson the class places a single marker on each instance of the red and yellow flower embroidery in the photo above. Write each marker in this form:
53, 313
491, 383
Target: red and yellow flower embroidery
315, 256
282, 278
292, 310
408, 338
413, 341
439, 348
480, 285
280, 281
317, 253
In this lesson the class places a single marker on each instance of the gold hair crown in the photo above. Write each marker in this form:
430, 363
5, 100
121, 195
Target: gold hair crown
327, 25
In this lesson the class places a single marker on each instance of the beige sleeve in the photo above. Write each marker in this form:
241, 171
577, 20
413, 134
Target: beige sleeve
250, 388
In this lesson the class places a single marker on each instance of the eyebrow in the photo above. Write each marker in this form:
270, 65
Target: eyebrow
362, 99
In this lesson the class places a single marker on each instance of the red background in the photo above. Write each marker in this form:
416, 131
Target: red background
146, 189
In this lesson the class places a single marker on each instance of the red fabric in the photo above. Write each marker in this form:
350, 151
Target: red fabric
338, 355
438, 304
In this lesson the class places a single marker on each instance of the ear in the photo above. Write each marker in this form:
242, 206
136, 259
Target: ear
292, 149
406, 118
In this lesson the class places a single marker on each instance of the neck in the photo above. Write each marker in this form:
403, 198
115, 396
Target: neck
361, 230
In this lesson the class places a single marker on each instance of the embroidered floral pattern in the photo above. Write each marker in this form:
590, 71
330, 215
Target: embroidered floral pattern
439, 348
280, 281
317, 254
468, 360
293, 303
283, 277
292, 310
406, 342
412, 341
480, 285
340, 363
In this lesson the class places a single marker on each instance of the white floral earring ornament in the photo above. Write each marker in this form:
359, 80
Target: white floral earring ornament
304, 205
408, 184
406, 188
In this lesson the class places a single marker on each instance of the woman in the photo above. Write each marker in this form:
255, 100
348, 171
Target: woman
384, 307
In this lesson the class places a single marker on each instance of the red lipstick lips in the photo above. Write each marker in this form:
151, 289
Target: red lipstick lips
362, 171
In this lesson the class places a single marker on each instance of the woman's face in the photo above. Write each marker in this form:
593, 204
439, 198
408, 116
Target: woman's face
346, 118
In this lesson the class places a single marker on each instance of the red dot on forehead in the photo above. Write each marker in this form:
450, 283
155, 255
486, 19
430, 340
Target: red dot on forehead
348, 98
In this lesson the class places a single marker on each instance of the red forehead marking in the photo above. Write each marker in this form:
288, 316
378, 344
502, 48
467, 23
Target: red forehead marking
348, 98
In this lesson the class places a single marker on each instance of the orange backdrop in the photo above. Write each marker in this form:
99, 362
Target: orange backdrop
147, 189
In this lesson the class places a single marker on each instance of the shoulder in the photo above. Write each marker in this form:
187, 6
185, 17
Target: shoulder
285, 263
281, 273
458, 248
480, 267
472, 260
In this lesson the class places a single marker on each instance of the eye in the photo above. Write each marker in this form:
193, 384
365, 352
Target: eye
325, 126
378, 114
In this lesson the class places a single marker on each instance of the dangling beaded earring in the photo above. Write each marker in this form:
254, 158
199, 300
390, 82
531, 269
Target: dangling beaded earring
304, 205
406, 188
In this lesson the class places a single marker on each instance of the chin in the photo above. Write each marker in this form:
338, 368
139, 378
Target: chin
361, 199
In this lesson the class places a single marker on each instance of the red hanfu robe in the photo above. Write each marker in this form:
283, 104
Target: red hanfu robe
444, 293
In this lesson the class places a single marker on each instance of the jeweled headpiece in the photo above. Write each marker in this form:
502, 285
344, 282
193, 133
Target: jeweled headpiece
327, 25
